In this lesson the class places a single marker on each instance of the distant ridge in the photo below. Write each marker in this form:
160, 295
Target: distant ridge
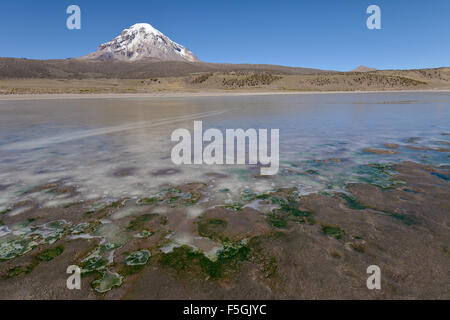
20, 68
362, 68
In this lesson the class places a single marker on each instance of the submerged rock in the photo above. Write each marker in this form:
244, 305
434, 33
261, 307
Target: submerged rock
124, 172
166, 172
391, 145
379, 151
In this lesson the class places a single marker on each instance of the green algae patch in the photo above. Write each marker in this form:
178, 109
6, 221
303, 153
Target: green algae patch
29, 237
234, 206
107, 281
377, 174
144, 234
287, 201
103, 208
16, 248
182, 258
5, 211
292, 210
147, 201
137, 258
50, 254
56, 231
185, 195
406, 219
267, 264
334, 231
135, 262
276, 220
93, 264
85, 227
278, 200
248, 195
289, 207
211, 228
96, 263
186, 259
44, 256
109, 247
262, 196
18, 270
352, 203
310, 221
312, 172
227, 259
232, 252
138, 222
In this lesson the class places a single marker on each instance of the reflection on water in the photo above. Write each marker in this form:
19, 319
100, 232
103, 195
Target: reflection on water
114, 148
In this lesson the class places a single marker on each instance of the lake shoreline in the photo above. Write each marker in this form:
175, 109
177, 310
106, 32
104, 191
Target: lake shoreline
175, 94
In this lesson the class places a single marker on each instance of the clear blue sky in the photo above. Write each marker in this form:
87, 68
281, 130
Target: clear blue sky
326, 34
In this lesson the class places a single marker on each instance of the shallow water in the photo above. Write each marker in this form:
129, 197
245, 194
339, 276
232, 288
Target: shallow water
115, 148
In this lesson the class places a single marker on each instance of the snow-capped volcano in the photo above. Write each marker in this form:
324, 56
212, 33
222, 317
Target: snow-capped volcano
141, 41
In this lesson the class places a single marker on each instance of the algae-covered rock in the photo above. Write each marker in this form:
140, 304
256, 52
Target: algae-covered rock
379, 151
50, 254
108, 281
138, 258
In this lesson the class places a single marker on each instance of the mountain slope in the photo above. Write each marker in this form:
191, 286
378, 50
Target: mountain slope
363, 69
11, 68
142, 41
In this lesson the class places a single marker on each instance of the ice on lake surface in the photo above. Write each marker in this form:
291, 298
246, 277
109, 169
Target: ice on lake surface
116, 148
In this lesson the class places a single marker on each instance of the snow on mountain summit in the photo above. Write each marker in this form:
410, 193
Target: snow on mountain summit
147, 27
142, 41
